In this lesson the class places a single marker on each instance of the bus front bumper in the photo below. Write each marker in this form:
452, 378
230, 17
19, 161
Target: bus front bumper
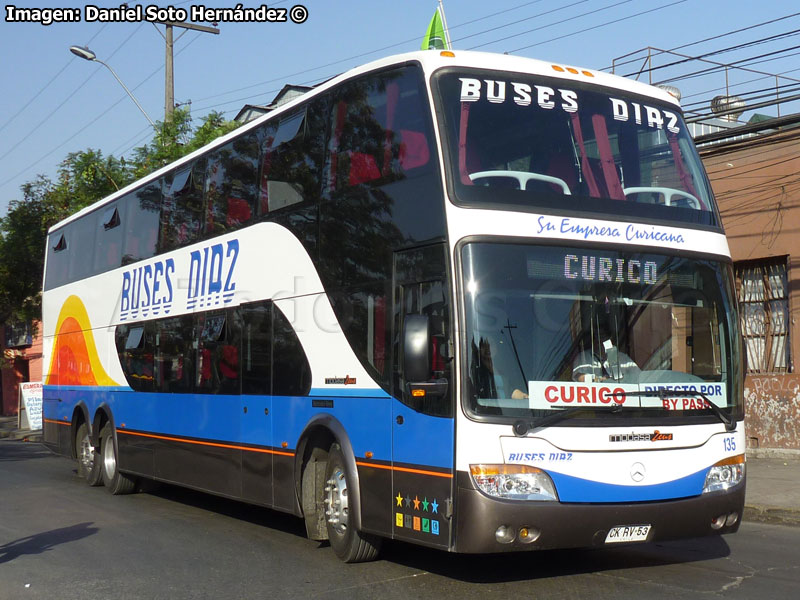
482, 522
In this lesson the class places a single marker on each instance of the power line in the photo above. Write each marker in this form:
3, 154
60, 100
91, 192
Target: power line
708, 39
27, 104
67, 99
738, 63
758, 42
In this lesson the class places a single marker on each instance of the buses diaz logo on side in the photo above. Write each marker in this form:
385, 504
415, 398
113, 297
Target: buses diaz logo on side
150, 289
211, 275
147, 289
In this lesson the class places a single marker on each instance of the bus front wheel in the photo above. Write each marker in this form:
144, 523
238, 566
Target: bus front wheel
116, 483
349, 544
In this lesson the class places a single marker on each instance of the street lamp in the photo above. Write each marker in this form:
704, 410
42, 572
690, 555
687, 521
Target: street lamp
87, 54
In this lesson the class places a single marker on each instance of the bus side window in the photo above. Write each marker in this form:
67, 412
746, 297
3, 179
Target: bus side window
255, 357
377, 131
135, 348
241, 191
140, 222
283, 181
218, 351
364, 316
82, 236
110, 233
230, 186
182, 210
175, 354
57, 259
291, 372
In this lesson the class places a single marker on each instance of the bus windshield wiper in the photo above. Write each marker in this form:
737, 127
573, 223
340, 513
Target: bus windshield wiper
522, 426
665, 393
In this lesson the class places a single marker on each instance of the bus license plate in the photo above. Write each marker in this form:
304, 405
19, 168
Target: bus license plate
628, 533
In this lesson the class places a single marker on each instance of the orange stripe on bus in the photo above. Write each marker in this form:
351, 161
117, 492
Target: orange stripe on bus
405, 470
266, 451
200, 443
56, 422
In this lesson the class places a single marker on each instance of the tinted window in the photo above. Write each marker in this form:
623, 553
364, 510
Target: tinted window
289, 172
57, 259
81, 248
136, 348
140, 220
256, 346
291, 373
176, 354
182, 210
379, 131
230, 186
218, 353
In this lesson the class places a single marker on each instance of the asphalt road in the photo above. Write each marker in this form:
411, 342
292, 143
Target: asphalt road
60, 539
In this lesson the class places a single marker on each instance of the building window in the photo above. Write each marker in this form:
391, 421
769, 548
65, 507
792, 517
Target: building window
18, 335
764, 306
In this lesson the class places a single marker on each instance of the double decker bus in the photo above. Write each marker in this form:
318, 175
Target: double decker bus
480, 303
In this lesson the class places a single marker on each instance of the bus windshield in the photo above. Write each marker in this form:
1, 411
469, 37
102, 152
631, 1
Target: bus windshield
557, 327
522, 141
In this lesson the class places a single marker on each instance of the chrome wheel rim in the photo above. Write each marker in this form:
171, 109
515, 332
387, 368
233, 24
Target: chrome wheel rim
109, 459
86, 453
336, 509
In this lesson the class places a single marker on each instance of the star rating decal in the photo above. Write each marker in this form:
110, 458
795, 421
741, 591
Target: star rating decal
421, 524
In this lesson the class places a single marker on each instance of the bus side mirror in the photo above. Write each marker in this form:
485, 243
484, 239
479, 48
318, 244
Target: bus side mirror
416, 348
417, 359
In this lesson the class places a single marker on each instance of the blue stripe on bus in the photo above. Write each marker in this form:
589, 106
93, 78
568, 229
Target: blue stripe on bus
368, 420
575, 489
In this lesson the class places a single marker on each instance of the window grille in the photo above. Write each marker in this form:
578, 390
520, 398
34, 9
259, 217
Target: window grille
764, 313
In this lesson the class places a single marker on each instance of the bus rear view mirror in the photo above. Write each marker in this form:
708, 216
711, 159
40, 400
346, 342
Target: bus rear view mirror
416, 348
418, 359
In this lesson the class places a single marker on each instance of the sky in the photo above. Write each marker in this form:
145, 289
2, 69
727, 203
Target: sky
53, 103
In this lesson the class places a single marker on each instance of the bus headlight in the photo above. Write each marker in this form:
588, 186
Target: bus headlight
513, 482
725, 474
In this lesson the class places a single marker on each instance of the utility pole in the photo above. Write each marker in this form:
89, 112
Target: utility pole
169, 82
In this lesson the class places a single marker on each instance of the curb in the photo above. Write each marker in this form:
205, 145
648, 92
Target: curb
780, 453
17, 435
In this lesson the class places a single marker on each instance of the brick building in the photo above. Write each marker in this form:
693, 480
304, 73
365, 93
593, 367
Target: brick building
21, 347
756, 180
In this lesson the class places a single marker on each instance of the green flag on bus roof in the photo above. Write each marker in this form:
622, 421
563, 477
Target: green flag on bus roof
434, 39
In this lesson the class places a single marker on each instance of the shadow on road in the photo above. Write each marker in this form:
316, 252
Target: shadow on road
42, 542
251, 513
487, 568
496, 568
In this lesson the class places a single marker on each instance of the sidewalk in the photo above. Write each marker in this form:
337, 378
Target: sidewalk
8, 430
773, 479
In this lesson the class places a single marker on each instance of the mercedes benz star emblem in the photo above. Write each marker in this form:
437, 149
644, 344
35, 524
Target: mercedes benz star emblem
638, 472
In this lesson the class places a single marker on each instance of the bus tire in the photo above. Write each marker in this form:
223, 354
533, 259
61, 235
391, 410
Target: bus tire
349, 544
116, 483
89, 467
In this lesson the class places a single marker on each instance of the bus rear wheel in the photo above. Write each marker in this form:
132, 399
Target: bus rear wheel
88, 460
349, 544
116, 483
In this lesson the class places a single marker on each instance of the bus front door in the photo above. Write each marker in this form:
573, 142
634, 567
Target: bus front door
423, 425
